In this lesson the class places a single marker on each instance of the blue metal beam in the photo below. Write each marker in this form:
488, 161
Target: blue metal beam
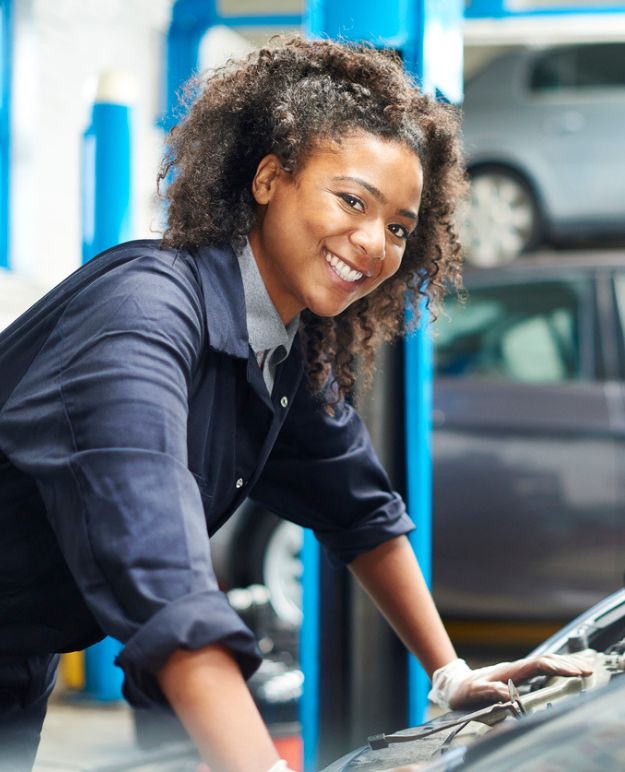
309, 651
106, 221
499, 9
396, 27
190, 21
438, 66
5, 126
107, 178
418, 418
390, 26
263, 20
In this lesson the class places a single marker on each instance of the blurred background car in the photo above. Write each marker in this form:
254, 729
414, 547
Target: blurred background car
529, 413
545, 149
528, 451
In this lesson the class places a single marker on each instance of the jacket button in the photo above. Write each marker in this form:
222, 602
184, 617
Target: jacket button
284, 401
239, 482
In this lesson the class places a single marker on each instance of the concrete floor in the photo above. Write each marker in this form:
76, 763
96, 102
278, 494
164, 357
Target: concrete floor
83, 736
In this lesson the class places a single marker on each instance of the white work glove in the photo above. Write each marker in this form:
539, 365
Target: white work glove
280, 766
456, 686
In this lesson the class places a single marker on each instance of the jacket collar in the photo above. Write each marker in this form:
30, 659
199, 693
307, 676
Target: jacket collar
224, 300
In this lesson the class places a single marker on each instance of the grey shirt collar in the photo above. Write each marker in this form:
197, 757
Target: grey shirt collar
264, 325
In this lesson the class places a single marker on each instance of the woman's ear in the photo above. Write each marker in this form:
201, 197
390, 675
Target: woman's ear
264, 182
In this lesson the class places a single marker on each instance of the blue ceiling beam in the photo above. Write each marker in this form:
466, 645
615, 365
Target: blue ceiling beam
500, 9
5, 126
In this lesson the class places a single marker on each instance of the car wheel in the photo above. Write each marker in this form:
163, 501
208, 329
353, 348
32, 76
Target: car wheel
282, 570
272, 547
501, 218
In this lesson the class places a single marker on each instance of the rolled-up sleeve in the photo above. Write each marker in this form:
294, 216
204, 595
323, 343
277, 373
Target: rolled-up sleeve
324, 474
100, 421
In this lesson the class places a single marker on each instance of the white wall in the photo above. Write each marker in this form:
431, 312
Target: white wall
60, 48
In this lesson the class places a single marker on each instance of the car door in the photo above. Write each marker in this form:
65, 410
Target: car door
524, 450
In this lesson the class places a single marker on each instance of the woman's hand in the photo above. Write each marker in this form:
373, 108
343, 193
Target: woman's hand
457, 686
391, 576
279, 766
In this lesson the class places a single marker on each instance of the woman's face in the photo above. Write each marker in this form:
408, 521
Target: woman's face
334, 231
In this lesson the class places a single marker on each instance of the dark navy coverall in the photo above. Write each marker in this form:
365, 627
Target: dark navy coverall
133, 421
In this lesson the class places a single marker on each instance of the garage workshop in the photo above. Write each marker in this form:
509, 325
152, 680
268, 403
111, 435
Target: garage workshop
312, 342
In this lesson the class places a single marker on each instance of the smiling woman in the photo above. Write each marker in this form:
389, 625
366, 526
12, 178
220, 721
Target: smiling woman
313, 192
346, 156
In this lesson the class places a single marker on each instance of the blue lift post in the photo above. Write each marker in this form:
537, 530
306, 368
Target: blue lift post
107, 220
441, 73
107, 169
5, 126
309, 651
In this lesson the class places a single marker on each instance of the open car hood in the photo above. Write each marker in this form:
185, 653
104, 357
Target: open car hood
563, 723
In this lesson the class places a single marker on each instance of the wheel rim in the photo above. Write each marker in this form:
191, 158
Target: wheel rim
498, 221
282, 571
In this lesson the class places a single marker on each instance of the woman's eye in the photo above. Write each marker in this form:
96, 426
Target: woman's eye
399, 230
352, 201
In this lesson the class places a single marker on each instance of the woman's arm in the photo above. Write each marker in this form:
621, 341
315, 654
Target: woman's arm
209, 695
392, 577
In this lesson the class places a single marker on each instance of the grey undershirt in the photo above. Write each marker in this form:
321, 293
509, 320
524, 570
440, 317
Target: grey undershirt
269, 339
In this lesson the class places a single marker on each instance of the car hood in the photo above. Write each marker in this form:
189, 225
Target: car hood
555, 710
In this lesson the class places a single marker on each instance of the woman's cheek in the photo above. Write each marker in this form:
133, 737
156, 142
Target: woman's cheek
393, 262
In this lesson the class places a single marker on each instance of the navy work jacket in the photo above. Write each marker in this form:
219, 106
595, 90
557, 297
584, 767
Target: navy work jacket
133, 421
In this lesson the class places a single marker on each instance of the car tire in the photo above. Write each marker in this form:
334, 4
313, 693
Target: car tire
501, 218
273, 558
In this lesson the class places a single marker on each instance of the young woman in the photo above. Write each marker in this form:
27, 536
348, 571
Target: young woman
146, 396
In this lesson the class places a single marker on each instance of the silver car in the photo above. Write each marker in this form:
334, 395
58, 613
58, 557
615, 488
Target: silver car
544, 135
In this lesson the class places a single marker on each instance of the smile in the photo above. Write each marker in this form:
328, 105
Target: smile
341, 269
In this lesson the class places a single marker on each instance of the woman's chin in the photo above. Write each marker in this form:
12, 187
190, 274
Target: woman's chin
328, 306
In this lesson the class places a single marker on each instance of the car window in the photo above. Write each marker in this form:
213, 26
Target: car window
580, 67
521, 332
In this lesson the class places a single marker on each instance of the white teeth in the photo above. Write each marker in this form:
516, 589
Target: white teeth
342, 269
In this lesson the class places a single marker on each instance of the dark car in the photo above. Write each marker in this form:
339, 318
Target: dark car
545, 148
529, 439
528, 450
574, 724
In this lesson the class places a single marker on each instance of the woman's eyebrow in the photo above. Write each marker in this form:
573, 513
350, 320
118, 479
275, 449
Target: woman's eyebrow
366, 185
376, 194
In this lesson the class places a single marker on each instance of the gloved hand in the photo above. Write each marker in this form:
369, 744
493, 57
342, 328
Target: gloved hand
279, 766
457, 686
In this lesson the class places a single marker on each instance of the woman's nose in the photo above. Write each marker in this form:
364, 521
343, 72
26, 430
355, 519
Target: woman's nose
370, 238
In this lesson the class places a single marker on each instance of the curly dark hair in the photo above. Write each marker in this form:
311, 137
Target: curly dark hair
283, 99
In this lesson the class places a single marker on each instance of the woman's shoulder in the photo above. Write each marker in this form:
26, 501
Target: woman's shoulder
137, 284
143, 267
148, 261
